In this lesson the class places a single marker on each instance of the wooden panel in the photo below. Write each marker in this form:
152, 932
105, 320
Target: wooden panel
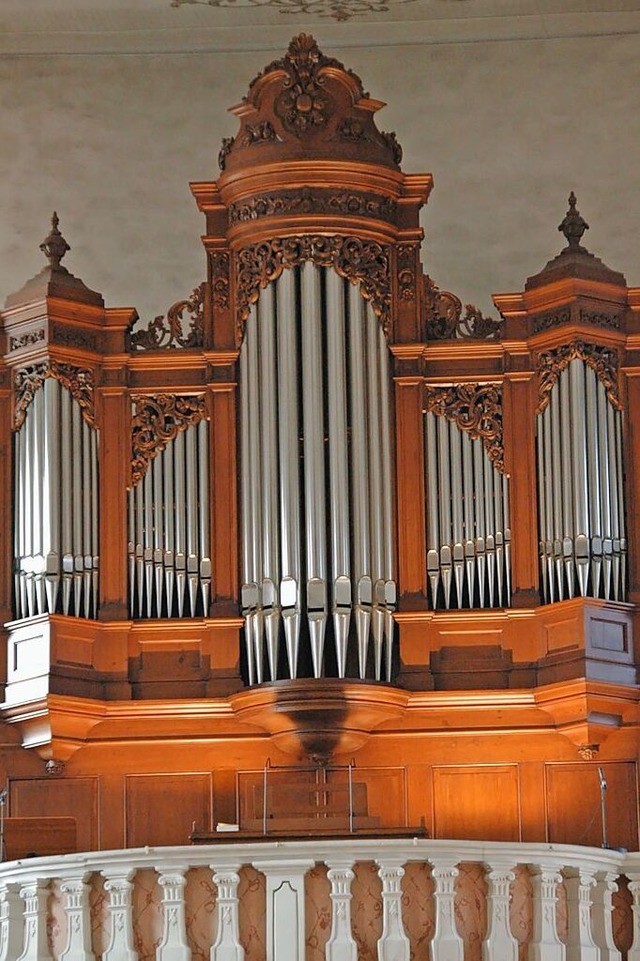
38, 837
477, 803
76, 797
162, 808
573, 804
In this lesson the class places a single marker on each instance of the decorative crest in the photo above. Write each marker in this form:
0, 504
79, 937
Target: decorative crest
446, 321
54, 246
574, 225
172, 331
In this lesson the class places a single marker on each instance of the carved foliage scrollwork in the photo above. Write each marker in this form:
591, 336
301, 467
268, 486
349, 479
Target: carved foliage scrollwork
476, 409
603, 360
360, 261
78, 381
219, 260
156, 420
446, 321
407, 271
170, 331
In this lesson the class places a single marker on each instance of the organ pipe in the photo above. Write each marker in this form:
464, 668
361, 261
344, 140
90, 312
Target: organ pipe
56, 514
322, 405
468, 534
579, 445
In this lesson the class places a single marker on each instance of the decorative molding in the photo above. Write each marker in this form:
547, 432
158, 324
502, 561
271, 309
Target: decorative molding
169, 332
28, 339
553, 318
474, 408
156, 420
603, 360
306, 202
600, 318
556, 318
77, 380
219, 261
445, 320
360, 261
70, 337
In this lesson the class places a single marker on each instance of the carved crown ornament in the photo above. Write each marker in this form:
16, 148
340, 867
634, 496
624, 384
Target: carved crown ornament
79, 381
307, 98
603, 360
157, 419
475, 409
362, 262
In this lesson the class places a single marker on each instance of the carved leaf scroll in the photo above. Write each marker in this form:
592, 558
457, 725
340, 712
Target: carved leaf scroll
474, 408
78, 381
446, 321
156, 420
359, 261
603, 360
170, 331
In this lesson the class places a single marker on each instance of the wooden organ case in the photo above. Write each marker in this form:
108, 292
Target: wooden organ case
322, 510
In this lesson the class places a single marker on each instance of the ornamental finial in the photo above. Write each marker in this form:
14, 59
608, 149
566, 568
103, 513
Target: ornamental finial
54, 246
573, 226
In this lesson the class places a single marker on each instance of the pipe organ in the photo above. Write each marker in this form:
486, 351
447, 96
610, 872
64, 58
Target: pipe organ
321, 494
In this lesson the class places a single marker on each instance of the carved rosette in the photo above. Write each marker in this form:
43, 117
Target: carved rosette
306, 201
156, 420
170, 331
360, 261
474, 408
603, 360
79, 381
406, 265
444, 319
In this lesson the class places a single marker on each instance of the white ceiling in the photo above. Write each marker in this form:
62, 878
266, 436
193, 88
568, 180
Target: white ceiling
156, 26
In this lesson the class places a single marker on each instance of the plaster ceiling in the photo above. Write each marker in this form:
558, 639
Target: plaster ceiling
157, 26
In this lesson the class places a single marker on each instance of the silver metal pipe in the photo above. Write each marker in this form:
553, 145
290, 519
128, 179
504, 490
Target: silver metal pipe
95, 520
51, 500
314, 467
19, 528
359, 475
481, 531
37, 408
66, 489
490, 543
546, 505
507, 538
255, 485
169, 555
468, 501
180, 520
338, 465
147, 539
593, 476
433, 529
580, 477
498, 481
457, 534
268, 419
607, 470
615, 466
191, 462
556, 469
203, 514
86, 519
568, 546
289, 485
617, 418
77, 506
139, 547
160, 508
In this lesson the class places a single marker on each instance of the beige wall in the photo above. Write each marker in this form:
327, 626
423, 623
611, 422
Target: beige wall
507, 129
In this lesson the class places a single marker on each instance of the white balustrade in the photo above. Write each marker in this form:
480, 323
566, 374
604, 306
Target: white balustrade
341, 945
500, 944
76, 892
34, 892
